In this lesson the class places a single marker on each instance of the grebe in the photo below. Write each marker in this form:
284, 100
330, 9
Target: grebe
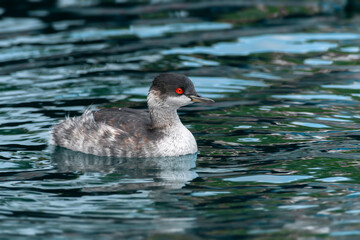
131, 133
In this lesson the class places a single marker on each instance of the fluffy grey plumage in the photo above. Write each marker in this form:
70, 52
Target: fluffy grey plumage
135, 133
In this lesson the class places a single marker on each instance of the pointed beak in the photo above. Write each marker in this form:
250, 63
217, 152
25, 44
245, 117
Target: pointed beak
200, 99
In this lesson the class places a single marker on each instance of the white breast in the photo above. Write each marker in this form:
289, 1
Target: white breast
177, 141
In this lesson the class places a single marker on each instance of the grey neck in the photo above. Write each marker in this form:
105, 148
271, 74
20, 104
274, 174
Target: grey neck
162, 114
164, 118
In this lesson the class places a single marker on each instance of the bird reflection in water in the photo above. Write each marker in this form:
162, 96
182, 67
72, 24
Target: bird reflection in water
133, 173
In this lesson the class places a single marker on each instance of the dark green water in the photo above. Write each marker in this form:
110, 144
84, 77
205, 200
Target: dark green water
279, 150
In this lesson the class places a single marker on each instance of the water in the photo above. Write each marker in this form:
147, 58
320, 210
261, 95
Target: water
279, 148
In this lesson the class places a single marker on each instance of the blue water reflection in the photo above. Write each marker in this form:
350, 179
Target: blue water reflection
285, 43
269, 178
279, 149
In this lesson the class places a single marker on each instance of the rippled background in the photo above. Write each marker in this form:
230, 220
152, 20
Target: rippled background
279, 150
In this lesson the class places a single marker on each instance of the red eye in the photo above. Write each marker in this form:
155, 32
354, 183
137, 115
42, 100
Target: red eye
179, 91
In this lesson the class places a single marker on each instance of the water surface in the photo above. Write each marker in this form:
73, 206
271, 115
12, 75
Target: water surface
279, 148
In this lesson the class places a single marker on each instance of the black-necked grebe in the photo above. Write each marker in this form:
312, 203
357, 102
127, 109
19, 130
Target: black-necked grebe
134, 133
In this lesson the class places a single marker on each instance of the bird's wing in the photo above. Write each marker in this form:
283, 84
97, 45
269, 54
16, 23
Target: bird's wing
134, 122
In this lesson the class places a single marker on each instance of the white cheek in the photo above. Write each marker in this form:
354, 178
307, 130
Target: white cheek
179, 101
